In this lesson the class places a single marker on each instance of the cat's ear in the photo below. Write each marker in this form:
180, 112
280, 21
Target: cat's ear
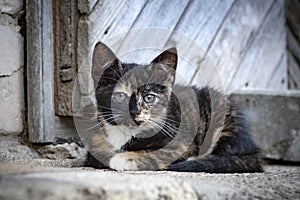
166, 70
103, 58
168, 58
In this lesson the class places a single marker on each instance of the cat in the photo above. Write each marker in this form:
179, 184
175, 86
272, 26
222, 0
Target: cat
149, 123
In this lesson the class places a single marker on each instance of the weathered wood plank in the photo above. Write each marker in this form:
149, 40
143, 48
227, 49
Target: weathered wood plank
200, 22
293, 72
278, 79
264, 64
293, 17
199, 25
101, 18
293, 43
124, 20
65, 29
86, 6
65, 128
161, 14
158, 15
90, 28
40, 71
234, 37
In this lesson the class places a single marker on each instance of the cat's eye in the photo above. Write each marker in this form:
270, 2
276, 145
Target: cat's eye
120, 96
149, 98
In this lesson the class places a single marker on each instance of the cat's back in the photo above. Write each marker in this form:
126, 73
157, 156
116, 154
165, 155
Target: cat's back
203, 97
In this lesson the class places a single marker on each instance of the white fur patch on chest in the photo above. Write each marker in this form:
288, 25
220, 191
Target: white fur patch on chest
119, 135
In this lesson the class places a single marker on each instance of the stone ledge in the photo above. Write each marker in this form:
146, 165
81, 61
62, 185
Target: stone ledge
21, 182
274, 119
11, 6
14, 151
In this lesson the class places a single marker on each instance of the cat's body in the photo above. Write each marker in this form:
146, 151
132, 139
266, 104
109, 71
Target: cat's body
148, 123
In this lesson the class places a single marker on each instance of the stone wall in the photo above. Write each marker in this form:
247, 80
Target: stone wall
11, 67
274, 122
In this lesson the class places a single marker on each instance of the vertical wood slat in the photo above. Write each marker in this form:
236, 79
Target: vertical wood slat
85, 6
264, 65
40, 67
65, 45
293, 43
200, 24
232, 41
153, 15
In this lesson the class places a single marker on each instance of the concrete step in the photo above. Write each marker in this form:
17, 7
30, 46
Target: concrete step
274, 119
19, 181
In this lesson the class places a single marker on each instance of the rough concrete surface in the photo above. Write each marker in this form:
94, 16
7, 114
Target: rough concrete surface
13, 149
19, 181
274, 119
11, 6
9, 21
62, 151
25, 174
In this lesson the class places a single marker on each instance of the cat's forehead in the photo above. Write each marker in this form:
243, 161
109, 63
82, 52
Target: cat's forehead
124, 87
129, 87
145, 77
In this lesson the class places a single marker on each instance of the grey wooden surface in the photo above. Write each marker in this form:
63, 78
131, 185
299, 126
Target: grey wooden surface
293, 43
65, 49
263, 63
245, 40
40, 70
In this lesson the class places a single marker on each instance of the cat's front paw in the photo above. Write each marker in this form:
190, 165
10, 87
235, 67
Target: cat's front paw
132, 161
123, 162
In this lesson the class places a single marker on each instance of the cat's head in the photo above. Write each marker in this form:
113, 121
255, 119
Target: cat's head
133, 95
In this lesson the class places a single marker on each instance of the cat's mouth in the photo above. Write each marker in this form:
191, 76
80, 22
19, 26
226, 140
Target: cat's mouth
139, 119
137, 122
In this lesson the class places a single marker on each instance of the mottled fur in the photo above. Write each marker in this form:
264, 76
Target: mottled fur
139, 133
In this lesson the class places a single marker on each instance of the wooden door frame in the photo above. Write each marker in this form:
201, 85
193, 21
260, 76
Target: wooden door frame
40, 71
51, 67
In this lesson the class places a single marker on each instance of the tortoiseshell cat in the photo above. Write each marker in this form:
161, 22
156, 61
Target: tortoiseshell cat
150, 123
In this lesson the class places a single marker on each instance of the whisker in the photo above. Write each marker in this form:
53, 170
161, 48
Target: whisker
170, 120
166, 133
109, 108
119, 76
108, 117
110, 78
96, 126
150, 79
110, 113
162, 130
170, 126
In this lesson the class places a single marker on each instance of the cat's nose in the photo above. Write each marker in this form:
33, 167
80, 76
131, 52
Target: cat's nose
135, 112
